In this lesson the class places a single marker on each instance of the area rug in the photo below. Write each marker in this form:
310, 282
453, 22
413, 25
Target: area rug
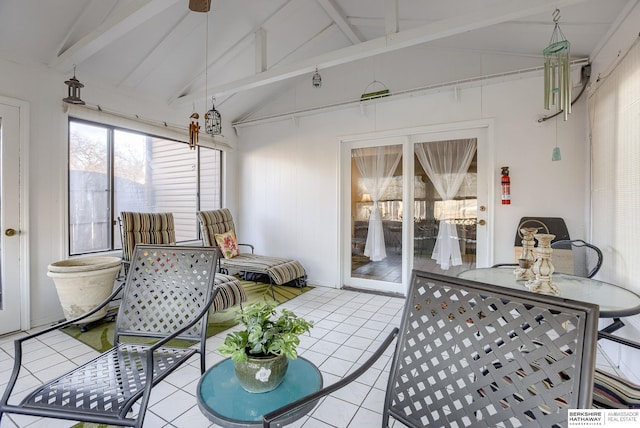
100, 335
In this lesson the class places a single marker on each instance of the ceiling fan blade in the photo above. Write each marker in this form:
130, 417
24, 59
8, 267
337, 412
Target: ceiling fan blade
200, 5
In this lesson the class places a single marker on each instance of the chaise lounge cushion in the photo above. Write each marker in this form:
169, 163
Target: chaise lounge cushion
158, 228
230, 293
280, 270
613, 392
145, 228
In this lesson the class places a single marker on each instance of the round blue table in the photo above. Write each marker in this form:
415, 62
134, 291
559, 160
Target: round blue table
223, 401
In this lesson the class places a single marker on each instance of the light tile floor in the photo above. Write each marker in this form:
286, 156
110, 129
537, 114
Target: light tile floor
348, 326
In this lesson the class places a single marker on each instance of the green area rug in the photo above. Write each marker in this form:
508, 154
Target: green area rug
100, 335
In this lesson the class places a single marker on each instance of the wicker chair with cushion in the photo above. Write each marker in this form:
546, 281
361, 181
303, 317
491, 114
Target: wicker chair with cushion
158, 228
218, 230
473, 354
167, 295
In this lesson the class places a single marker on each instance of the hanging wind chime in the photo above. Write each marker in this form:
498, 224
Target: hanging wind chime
194, 130
212, 118
557, 70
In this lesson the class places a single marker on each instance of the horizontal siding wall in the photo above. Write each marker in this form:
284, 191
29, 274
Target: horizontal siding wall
171, 175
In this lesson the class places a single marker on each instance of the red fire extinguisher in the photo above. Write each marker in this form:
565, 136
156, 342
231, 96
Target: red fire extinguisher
506, 186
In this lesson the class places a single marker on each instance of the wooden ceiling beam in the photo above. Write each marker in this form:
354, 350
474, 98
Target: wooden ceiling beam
338, 16
128, 18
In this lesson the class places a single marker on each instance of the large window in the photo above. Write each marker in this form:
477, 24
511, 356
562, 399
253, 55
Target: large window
113, 170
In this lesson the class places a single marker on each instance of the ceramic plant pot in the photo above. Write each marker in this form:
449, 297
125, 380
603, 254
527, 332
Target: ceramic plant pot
261, 374
83, 283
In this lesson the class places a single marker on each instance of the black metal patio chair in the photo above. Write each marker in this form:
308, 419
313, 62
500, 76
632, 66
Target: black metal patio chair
166, 296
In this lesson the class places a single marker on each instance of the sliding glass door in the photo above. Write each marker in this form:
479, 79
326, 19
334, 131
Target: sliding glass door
446, 205
412, 201
376, 203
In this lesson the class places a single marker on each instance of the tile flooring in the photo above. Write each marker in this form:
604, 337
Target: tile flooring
348, 325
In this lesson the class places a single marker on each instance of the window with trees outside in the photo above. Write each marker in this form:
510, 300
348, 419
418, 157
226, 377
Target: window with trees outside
113, 169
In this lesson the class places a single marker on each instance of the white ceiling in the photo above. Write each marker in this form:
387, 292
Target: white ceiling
257, 48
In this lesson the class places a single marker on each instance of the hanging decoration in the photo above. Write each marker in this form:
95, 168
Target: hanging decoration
371, 91
557, 70
316, 79
213, 120
556, 155
194, 130
73, 86
212, 117
200, 5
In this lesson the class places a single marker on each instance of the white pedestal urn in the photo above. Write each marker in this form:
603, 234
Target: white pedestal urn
543, 267
524, 271
83, 283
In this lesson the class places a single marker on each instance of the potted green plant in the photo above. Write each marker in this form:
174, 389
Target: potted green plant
261, 351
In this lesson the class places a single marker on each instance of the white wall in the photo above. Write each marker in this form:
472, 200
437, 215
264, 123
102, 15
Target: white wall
288, 169
46, 229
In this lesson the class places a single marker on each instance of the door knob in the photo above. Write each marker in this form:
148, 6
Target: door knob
10, 232
482, 222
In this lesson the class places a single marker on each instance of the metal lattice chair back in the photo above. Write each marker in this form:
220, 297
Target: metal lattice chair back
165, 289
587, 258
472, 354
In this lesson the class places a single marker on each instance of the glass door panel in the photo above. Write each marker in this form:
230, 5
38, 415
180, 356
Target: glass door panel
457, 215
377, 211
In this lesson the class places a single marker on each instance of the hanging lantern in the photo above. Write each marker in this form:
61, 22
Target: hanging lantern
557, 70
74, 86
316, 79
213, 120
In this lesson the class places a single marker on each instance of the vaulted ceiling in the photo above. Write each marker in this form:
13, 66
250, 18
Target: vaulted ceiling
259, 48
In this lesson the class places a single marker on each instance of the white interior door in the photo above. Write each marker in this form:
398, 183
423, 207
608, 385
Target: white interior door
12, 241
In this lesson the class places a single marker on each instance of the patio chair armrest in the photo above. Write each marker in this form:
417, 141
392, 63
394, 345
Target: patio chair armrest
247, 245
274, 415
63, 324
17, 361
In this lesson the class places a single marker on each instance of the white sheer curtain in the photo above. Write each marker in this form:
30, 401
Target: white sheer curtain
376, 166
446, 164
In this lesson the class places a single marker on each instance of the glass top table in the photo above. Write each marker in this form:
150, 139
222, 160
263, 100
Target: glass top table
223, 401
614, 301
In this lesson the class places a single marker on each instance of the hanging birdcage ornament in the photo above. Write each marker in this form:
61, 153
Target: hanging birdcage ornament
213, 120
557, 70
